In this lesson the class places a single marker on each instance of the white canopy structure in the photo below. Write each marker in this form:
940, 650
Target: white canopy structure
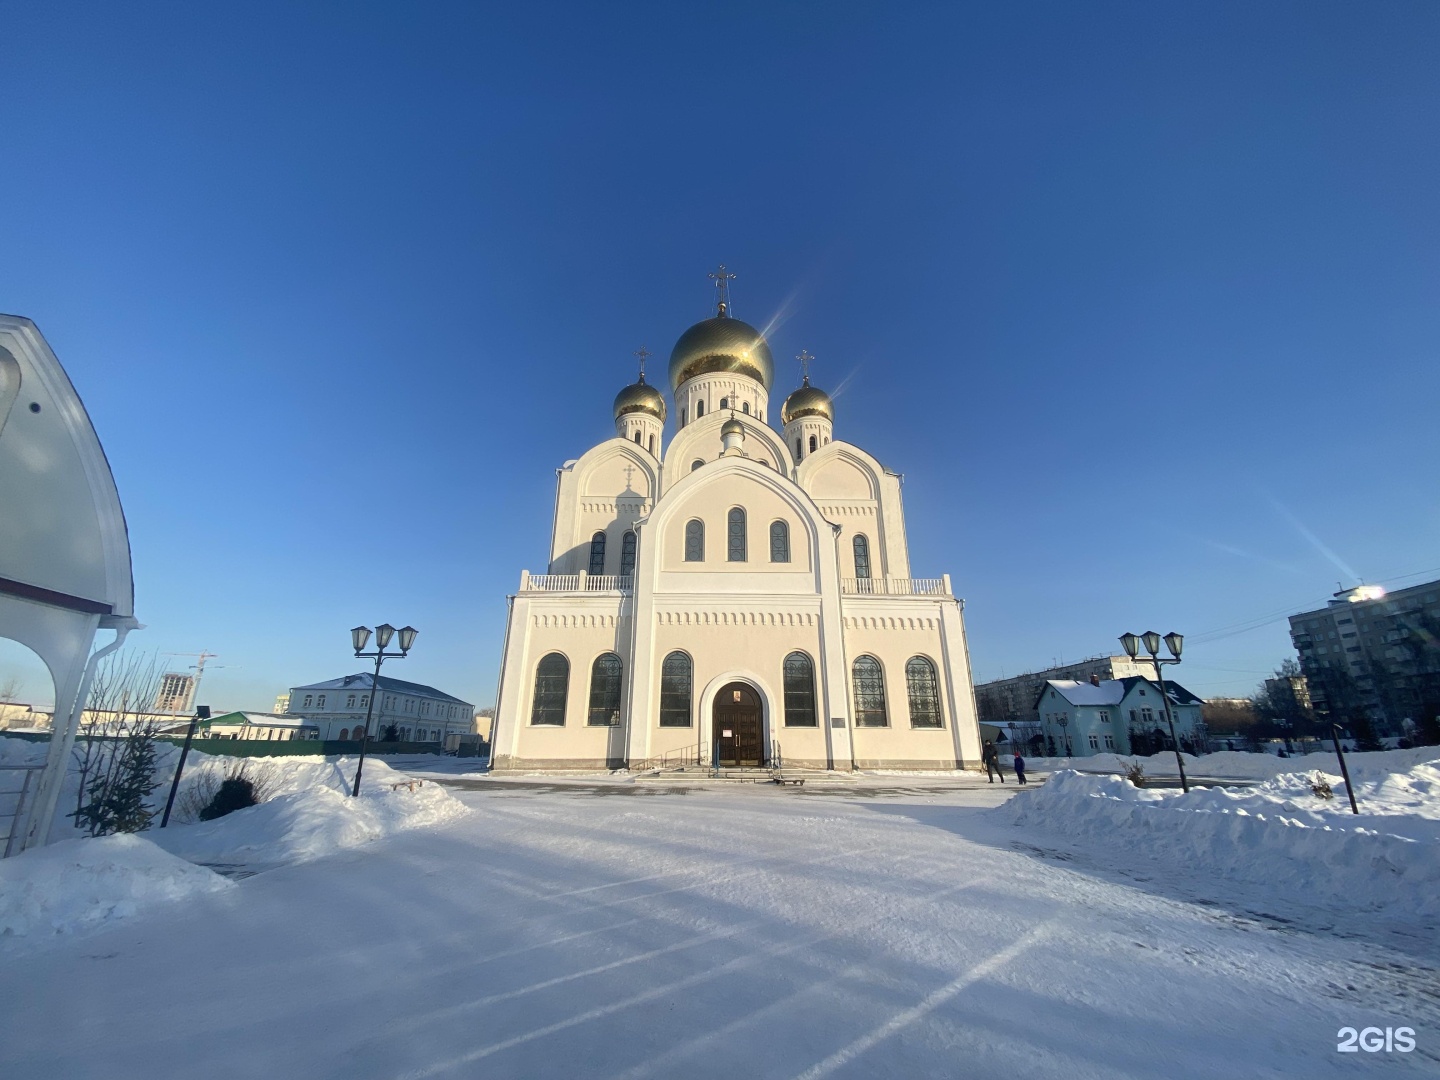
64, 548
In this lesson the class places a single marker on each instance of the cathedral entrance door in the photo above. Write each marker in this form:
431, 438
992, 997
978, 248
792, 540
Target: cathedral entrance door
738, 731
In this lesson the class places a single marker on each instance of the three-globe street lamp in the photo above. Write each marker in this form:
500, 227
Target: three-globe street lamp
360, 637
1064, 722
1174, 642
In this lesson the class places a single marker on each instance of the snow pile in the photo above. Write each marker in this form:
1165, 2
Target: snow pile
1237, 764
1278, 833
79, 884
311, 813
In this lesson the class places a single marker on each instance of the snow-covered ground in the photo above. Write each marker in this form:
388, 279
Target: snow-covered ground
631, 930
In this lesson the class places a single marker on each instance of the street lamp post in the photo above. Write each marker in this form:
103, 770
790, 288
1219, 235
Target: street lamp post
360, 637
1064, 722
1174, 642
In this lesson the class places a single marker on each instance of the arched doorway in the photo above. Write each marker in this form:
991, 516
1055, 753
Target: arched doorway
737, 725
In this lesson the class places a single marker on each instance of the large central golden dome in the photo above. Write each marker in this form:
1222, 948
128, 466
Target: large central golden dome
721, 344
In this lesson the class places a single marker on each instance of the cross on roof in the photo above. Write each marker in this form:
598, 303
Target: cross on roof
642, 354
629, 471
722, 279
805, 358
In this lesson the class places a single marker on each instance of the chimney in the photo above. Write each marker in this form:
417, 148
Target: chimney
1094, 680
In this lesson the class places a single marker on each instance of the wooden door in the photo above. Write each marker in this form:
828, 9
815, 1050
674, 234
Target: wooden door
739, 733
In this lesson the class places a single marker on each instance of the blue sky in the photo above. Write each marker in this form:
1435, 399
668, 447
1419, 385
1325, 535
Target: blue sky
1141, 298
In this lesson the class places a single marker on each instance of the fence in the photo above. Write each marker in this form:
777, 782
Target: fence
29, 780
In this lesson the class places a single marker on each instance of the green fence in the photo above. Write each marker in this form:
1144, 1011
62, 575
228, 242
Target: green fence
277, 748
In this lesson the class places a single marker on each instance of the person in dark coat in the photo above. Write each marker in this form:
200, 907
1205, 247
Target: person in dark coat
1019, 768
991, 757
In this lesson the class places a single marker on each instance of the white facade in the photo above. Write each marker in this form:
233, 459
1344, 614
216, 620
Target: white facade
1116, 716
338, 709
726, 598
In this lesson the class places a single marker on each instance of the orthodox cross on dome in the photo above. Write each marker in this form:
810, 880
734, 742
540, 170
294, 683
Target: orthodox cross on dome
642, 354
805, 359
722, 279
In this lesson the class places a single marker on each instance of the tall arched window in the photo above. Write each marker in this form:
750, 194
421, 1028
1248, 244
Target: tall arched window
552, 682
695, 540
627, 554
779, 542
344, 734
813, 444
651, 442
735, 536
799, 691
675, 691
869, 682
798, 451
605, 690
862, 556
745, 407
924, 690
637, 439
597, 553
724, 403
699, 409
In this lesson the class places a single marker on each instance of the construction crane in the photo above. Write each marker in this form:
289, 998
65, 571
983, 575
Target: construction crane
199, 668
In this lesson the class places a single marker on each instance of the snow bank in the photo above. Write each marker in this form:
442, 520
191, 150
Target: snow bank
76, 885
311, 813
1278, 833
1237, 764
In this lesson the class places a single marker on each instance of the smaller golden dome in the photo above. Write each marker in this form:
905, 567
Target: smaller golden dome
807, 401
640, 397
732, 427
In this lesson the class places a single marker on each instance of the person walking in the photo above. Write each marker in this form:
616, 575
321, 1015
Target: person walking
1019, 768
991, 757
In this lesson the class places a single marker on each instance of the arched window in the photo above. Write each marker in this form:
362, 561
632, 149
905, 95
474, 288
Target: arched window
699, 409
862, 556
637, 438
552, 682
869, 692
779, 542
344, 734
724, 403
735, 536
813, 444
798, 452
675, 691
682, 417
745, 407
651, 446
320, 702
605, 690
695, 540
924, 690
799, 691
597, 553
696, 464
627, 554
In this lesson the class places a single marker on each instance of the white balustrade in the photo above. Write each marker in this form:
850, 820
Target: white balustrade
562, 583
894, 586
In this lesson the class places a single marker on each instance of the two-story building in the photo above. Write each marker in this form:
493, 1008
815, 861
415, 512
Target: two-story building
338, 708
1117, 716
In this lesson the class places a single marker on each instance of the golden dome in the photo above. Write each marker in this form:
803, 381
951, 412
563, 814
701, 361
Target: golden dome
732, 427
721, 344
807, 401
639, 397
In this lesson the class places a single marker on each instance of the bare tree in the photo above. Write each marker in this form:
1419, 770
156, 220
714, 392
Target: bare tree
116, 751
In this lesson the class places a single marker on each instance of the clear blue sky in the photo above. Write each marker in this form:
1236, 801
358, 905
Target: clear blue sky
1141, 298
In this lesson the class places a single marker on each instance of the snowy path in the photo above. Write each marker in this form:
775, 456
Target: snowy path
747, 932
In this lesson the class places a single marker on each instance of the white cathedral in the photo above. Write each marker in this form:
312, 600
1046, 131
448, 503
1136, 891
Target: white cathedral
735, 597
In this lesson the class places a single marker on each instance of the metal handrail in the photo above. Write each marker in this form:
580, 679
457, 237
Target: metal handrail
17, 815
